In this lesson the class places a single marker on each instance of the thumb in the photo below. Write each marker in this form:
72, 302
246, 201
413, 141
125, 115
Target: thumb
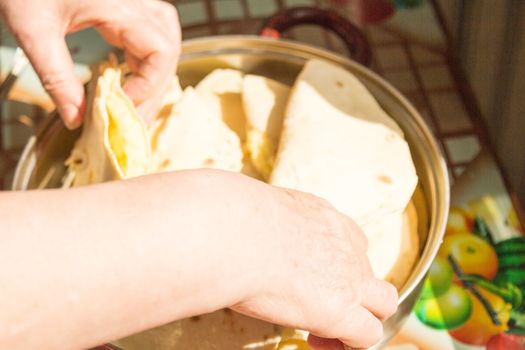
53, 64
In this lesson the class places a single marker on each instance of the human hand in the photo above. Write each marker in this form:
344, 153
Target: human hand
312, 272
164, 247
147, 30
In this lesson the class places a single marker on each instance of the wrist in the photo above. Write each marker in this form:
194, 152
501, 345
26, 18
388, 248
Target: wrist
214, 225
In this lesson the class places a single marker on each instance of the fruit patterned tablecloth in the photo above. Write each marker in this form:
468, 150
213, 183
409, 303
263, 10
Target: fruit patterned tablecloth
473, 295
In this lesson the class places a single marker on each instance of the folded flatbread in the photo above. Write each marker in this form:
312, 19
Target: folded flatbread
114, 143
194, 136
339, 144
222, 88
264, 102
409, 249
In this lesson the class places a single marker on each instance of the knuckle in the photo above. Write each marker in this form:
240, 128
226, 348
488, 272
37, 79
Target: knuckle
353, 294
54, 81
167, 48
171, 12
168, 14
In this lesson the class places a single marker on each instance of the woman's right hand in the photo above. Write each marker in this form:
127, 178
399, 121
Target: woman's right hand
308, 265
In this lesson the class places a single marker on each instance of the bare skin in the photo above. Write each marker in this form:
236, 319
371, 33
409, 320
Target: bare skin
147, 30
93, 264
89, 265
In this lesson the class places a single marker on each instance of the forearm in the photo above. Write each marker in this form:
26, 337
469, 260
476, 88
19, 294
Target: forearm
88, 265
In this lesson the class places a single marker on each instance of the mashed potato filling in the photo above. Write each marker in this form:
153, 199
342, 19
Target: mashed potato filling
114, 143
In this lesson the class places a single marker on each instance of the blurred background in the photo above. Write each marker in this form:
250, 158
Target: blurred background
460, 62
489, 39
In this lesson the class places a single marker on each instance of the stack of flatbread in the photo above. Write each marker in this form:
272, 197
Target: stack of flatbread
326, 135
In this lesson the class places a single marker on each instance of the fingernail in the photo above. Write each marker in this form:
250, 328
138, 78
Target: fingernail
70, 116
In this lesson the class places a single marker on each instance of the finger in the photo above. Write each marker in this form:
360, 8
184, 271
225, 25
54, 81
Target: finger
363, 331
158, 59
149, 108
157, 54
380, 298
359, 328
150, 69
167, 13
53, 64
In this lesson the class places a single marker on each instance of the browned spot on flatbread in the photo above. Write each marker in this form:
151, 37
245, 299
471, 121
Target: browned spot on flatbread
209, 162
165, 163
339, 84
385, 179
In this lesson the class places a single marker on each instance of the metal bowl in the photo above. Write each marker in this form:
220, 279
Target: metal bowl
44, 156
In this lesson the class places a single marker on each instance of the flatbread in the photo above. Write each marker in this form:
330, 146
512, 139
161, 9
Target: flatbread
222, 88
409, 248
339, 144
174, 92
194, 136
264, 102
114, 143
